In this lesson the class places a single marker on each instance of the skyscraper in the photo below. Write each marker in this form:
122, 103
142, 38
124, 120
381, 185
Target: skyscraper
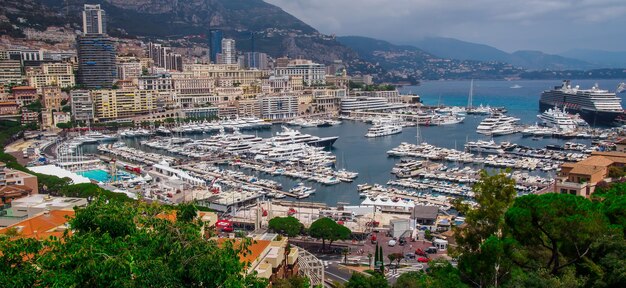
229, 52
94, 20
95, 50
215, 43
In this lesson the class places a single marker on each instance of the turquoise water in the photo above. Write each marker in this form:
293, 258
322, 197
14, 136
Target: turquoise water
96, 175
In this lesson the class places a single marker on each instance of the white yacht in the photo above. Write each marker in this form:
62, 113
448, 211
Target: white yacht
295, 136
557, 118
489, 147
302, 191
379, 130
439, 120
496, 121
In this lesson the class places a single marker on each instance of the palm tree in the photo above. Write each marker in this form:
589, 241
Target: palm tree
345, 252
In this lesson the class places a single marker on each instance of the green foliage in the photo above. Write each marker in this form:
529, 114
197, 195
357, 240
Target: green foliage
441, 275
359, 280
288, 226
428, 235
187, 212
292, 282
66, 109
557, 229
117, 244
67, 125
328, 229
494, 195
35, 106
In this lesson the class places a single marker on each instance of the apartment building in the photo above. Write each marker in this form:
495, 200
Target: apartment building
312, 73
51, 74
10, 71
122, 103
279, 106
82, 105
582, 177
51, 97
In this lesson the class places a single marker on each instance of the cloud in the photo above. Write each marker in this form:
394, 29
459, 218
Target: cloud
549, 25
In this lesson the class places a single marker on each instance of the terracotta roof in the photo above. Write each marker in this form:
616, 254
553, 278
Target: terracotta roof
43, 225
595, 161
611, 154
24, 88
586, 170
623, 141
15, 189
256, 248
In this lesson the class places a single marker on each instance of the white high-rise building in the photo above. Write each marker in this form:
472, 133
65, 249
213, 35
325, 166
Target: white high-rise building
94, 20
229, 52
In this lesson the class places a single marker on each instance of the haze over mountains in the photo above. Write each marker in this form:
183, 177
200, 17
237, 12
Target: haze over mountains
278, 33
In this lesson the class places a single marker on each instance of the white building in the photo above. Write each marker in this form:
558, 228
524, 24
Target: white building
229, 52
350, 104
129, 70
312, 73
279, 107
94, 20
82, 105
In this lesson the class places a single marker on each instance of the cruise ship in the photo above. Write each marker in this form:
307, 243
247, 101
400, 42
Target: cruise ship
379, 130
496, 122
595, 105
295, 136
557, 118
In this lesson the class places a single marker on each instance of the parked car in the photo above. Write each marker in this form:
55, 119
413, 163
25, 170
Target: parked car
420, 252
423, 260
392, 243
431, 250
409, 256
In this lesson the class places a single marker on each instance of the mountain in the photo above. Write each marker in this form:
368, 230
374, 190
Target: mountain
538, 60
457, 49
275, 31
406, 63
609, 59
534, 60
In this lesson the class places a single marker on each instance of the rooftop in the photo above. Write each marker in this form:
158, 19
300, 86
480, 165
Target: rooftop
44, 225
425, 212
255, 249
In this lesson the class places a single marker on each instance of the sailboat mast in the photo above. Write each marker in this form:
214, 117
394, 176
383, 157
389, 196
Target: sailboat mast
471, 95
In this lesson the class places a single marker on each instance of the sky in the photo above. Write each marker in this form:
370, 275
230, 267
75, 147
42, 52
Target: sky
551, 26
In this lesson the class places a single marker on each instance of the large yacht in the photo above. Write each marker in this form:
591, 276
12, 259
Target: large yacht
495, 122
557, 118
295, 136
379, 130
489, 147
595, 105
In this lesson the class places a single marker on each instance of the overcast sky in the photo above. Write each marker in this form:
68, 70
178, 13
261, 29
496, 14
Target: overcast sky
548, 25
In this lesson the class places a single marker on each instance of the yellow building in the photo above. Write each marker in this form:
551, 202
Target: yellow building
122, 103
52, 97
51, 74
582, 177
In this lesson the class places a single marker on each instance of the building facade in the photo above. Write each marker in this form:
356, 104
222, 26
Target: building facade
279, 107
51, 74
229, 52
311, 73
10, 71
122, 103
82, 105
96, 61
51, 97
94, 20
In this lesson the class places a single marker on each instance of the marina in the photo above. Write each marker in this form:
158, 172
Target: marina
329, 163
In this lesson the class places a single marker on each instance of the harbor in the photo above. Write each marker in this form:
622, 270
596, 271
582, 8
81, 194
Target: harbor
334, 161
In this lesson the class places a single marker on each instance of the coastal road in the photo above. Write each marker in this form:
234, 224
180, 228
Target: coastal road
333, 272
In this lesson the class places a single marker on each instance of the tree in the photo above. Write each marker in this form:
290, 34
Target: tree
494, 195
394, 257
328, 229
359, 280
555, 230
121, 244
292, 282
441, 275
288, 226
376, 258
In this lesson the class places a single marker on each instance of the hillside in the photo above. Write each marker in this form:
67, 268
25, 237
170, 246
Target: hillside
277, 32
534, 60
610, 59
408, 63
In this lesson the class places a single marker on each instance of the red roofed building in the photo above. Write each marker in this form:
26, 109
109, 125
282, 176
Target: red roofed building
25, 95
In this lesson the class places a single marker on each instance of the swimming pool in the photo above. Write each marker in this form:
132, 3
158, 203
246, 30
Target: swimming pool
96, 175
